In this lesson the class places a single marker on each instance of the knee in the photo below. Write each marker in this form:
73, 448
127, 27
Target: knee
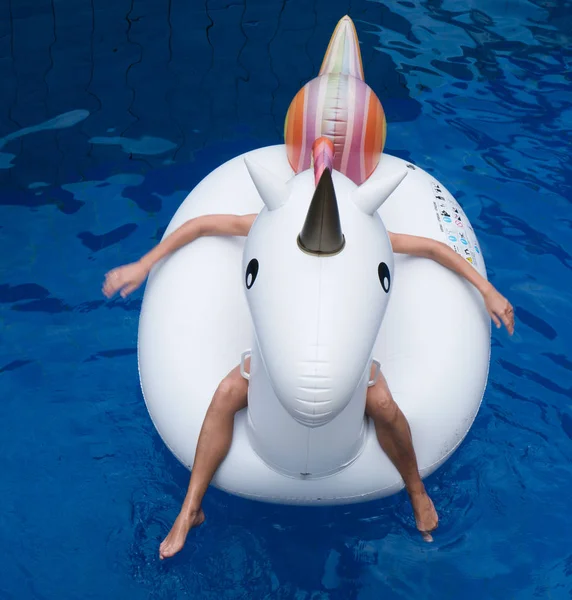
381, 405
226, 388
230, 395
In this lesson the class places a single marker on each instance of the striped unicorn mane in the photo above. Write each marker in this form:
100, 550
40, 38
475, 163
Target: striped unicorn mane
340, 106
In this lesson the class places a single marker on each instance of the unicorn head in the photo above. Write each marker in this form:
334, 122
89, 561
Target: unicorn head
318, 269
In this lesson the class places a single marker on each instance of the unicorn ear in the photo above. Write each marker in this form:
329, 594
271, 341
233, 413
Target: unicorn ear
373, 193
273, 191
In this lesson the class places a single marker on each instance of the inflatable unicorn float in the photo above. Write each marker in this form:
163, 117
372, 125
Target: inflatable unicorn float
315, 297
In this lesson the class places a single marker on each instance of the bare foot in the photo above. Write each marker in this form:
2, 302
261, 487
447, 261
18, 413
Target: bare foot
174, 542
425, 514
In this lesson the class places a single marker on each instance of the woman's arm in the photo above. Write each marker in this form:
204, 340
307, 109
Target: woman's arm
128, 278
195, 228
498, 307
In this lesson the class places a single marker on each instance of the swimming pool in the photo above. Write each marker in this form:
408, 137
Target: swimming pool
110, 113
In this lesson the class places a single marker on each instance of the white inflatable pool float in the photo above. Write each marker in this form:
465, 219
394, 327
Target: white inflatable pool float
314, 445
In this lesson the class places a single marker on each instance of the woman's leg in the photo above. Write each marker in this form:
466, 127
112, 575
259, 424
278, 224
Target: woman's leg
212, 447
394, 437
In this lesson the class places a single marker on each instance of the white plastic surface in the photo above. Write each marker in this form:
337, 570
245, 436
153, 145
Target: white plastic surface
433, 344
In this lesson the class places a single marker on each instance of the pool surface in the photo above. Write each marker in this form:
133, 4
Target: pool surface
110, 113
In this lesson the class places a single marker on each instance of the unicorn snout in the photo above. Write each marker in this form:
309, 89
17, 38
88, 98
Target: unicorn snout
314, 403
313, 397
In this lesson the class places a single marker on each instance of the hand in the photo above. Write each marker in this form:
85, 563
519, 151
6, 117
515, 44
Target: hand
500, 309
125, 279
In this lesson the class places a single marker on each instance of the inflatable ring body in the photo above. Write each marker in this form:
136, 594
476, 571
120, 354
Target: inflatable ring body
433, 344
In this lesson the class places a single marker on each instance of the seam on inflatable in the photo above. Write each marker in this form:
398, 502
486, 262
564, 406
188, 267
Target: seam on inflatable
260, 497
316, 354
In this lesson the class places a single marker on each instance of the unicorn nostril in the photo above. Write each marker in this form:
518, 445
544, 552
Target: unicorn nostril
312, 387
313, 396
314, 390
312, 403
311, 419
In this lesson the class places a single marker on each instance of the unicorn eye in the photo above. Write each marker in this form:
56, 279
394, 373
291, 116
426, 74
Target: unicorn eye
251, 273
384, 276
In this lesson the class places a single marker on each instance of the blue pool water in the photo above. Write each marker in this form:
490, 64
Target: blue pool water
110, 113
